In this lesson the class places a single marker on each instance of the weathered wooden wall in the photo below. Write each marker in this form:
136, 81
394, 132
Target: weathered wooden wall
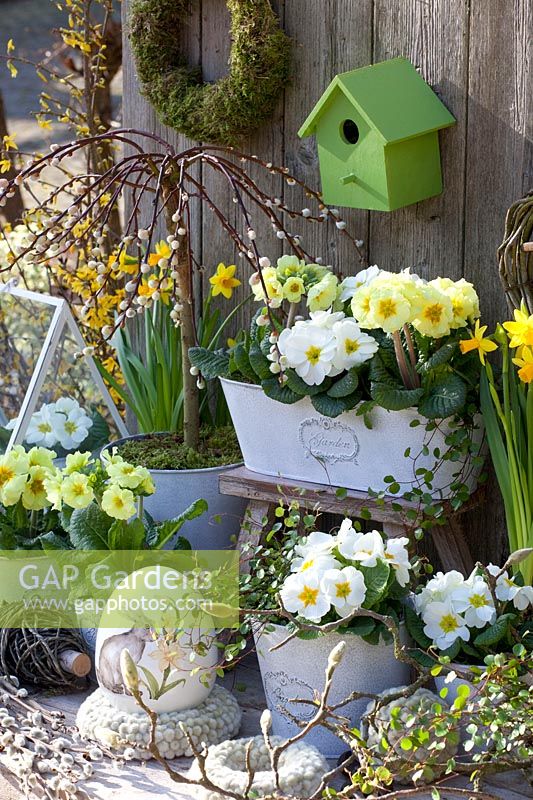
477, 55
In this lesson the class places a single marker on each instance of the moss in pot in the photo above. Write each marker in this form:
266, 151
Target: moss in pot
218, 447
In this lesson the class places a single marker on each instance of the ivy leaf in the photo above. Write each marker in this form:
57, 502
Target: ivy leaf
89, 528
446, 397
494, 633
394, 398
345, 385
258, 362
376, 580
272, 388
333, 406
211, 363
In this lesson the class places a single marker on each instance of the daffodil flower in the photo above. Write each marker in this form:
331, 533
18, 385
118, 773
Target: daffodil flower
478, 342
525, 362
521, 330
224, 280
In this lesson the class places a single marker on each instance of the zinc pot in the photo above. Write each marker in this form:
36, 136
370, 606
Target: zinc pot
175, 490
297, 670
297, 443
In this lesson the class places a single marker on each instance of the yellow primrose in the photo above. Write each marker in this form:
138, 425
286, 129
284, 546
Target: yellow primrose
521, 330
293, 289
41, 457
273, 286
435, 315
525, 362
322, 295
34, 496
162, 250
224, 281
13, 476
118, 503
75, 462
389, 309
126, 475
360, 305
77, 491
53, 485
478, 342
465, 301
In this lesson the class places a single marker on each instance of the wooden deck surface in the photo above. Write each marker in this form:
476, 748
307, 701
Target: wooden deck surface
142, 781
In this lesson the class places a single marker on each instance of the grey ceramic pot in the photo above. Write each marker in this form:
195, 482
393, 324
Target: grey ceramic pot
175, 490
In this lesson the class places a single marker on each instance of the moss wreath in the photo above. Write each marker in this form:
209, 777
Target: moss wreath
221, 112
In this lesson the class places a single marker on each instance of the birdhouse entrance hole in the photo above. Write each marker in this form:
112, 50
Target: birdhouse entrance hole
350, 131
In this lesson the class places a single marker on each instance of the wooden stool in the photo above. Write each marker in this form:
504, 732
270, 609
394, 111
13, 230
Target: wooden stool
264, 493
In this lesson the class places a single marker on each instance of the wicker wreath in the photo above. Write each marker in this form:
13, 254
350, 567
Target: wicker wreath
221, 112
515, 254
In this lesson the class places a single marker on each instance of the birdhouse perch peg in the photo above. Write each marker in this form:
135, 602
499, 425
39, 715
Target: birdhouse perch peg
377, 130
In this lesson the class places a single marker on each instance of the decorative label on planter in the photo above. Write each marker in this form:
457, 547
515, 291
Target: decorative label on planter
281, 689
328, 440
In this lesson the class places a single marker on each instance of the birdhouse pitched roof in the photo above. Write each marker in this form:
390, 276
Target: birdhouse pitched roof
391, 96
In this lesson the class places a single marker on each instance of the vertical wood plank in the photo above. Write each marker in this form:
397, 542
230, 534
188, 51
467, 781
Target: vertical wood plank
267, 143
433, 35
330, 37
499, 171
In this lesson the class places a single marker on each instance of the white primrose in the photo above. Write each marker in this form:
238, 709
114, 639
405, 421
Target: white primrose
302, 594
444, 625
353, 346
349, 285
474, 600
310, 350
438, 589
344, 588
42, 427
365, 548
396, 554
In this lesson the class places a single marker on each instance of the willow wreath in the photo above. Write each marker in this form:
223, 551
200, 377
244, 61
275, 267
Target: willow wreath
221, 112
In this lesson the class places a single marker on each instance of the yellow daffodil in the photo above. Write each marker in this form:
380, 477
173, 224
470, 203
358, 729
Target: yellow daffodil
525, 362
162, 250
521, 330
224, 281
77, 491
118, 503
293, 289
478, 342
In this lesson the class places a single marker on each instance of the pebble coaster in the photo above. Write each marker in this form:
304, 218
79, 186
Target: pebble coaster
216, 719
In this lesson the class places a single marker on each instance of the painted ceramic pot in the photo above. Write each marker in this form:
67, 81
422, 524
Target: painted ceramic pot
168, 679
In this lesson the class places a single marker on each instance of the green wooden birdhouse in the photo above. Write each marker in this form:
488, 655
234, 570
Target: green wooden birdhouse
378, 141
